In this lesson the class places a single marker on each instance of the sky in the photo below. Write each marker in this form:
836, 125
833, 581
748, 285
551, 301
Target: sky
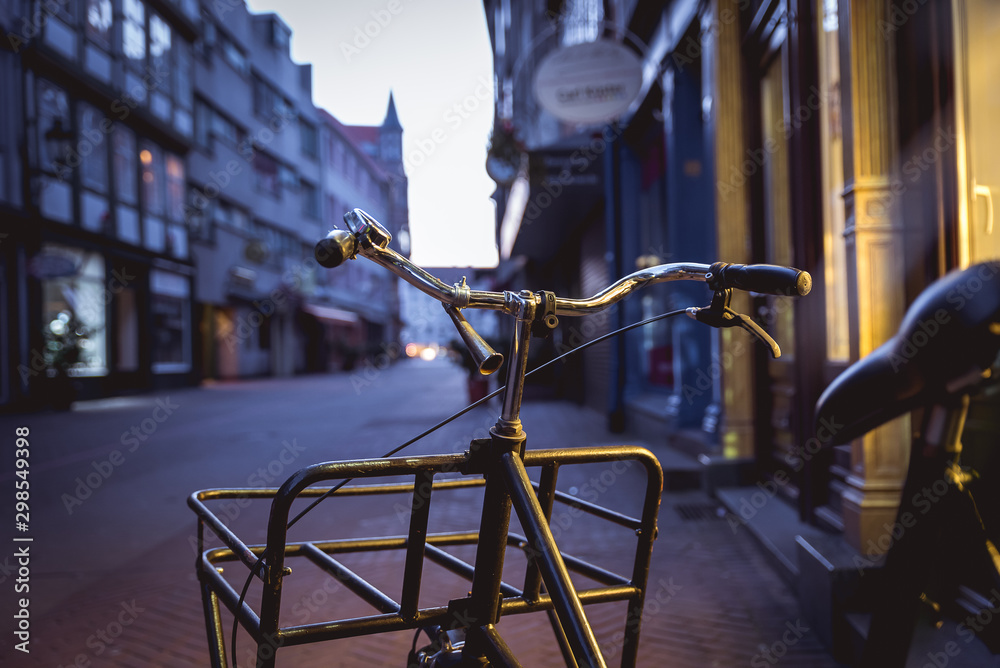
436, 59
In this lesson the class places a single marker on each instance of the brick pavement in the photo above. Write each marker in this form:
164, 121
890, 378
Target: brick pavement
720, 604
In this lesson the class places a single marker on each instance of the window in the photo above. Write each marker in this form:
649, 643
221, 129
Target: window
99, 21
183, 88
267, 102
307, 133
73, 310
170, 301
123, 145
200, 214
310, 200
93, 149
263, 98
225, 129
287, 178
134, 32
203, 125
832, 163
279, 34
175, 188
977, 136
265, 171
159, 51
152, 178
234, 55
53, 119
338, 155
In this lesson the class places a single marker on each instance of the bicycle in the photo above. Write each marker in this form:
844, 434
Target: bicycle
464, 632
944, 352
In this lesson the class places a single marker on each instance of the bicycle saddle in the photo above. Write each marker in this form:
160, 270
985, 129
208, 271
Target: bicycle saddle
949, 336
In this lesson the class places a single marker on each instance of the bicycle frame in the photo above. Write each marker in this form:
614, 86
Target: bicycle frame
501, 463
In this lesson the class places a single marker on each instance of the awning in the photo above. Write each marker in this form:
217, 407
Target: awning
330, 314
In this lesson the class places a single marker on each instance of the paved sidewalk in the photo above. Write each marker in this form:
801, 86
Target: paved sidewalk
714, 600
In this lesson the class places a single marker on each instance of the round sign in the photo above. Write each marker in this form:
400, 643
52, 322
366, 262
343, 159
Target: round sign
590, 82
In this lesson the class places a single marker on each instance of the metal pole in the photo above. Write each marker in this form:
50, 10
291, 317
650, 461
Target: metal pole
545, 553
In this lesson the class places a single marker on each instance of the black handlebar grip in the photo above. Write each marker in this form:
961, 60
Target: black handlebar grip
764, 278
339, 245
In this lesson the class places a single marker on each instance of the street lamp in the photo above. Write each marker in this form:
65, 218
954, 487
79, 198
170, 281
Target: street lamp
58, 140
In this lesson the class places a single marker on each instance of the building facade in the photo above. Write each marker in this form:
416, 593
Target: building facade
363, 169
163, 181
98, 122
851, 139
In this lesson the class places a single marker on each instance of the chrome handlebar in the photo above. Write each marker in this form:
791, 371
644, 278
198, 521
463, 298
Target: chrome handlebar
368, 238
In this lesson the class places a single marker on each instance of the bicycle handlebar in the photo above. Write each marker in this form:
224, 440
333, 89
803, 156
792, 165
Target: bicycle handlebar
370, 239
764, 278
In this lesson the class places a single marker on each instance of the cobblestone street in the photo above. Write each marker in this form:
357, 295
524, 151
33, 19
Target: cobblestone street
112, 568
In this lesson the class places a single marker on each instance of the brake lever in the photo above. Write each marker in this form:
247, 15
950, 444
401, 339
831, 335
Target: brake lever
718, 314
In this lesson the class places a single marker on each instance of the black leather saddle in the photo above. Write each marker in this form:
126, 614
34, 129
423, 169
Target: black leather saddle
949, 337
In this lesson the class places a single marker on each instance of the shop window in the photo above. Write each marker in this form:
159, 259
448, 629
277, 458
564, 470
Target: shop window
777, 213
127, 350
832, 150
73, 313
977, 28
170, 296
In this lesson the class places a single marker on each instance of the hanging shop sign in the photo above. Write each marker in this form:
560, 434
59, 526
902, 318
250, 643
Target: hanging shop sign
592, 82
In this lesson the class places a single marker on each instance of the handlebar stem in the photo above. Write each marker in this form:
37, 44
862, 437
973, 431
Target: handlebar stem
522, 304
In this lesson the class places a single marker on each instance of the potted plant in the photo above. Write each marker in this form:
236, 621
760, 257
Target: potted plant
65, 338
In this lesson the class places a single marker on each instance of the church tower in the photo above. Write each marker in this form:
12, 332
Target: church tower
390, 150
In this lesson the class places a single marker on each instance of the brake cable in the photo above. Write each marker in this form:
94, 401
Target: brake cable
604, 337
